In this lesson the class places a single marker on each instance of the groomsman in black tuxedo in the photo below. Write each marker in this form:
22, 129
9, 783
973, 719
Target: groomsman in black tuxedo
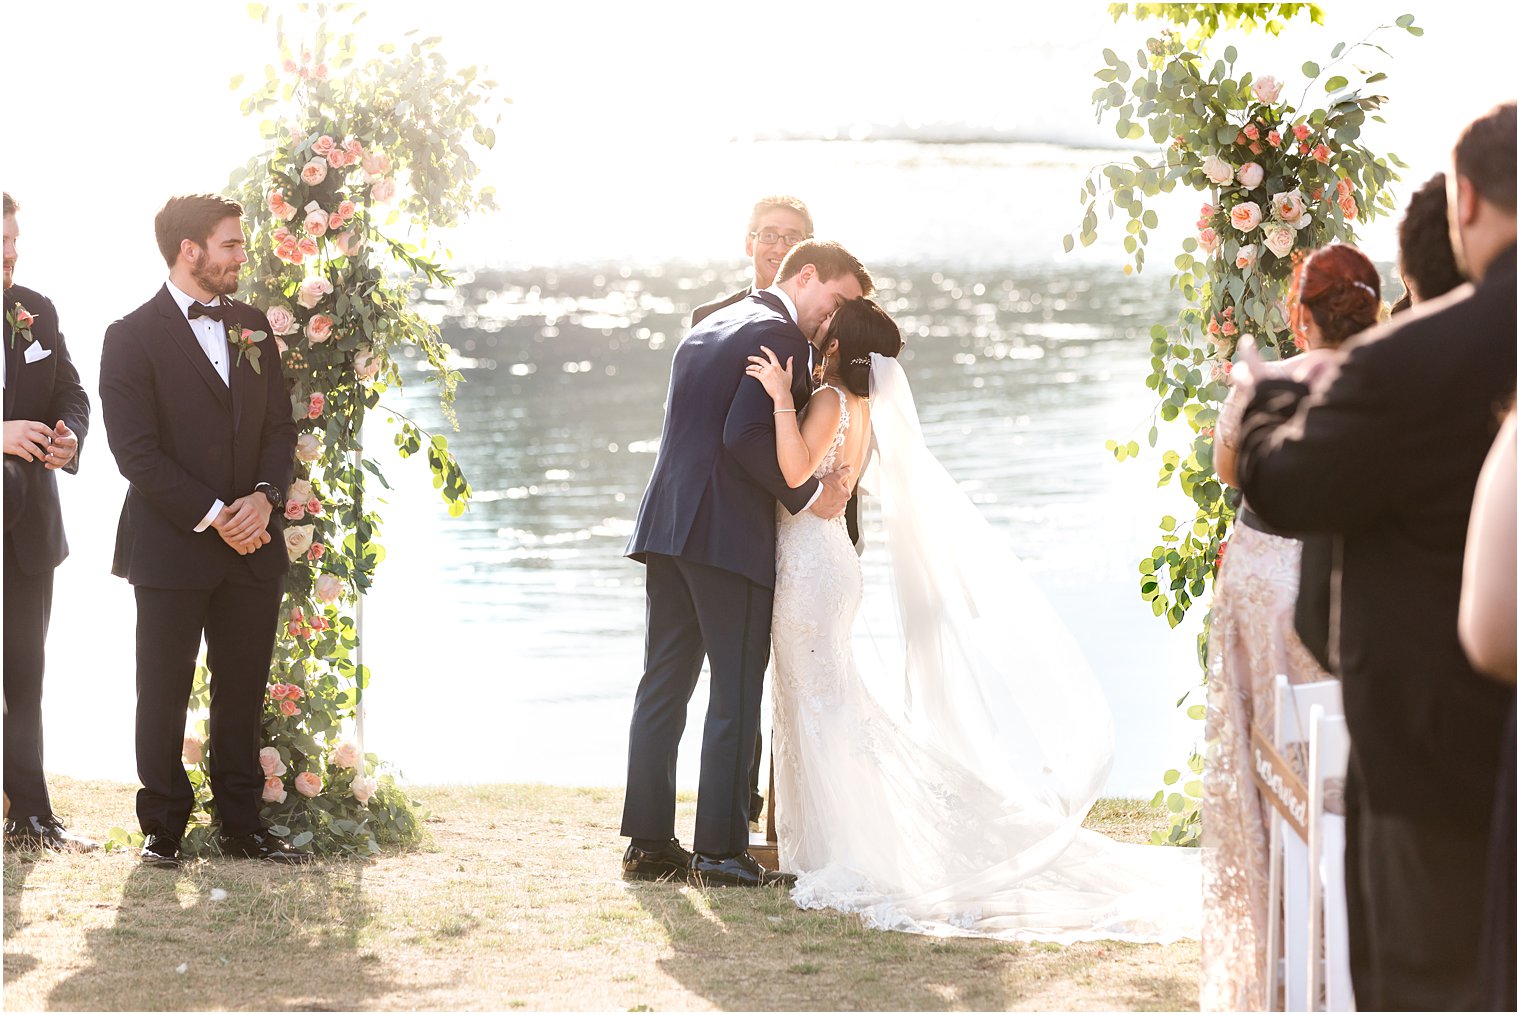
46, 416
706, 533
203, 431
1385, 453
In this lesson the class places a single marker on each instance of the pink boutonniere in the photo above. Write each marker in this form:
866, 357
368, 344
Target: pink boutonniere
246, 342
21, 320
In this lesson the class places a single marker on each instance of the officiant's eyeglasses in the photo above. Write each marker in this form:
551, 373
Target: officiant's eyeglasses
770, 236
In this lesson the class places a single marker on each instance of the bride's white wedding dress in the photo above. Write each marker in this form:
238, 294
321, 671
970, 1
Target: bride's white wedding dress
943, 792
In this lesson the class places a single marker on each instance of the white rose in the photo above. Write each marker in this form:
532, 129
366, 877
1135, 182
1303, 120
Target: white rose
329, 588
346, 755
300, 490
1218, 170
269, 761
308, 447
1245, 258
364, 787
1251, 175
1280, 239
282, 320
1267, 88
297, 540
383, 191
312, 291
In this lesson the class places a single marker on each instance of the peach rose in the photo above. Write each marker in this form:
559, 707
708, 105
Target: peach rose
314, 172
316, 220
1252, 131
349, 243
279, 207
1251, 175
274, 791
1266, 88
1290, 209
308, 448
308, 784
316, 405
1218, 170
319, 328
191, 751
364, 787
270, 763
307, 246
1208, 239
281, 320
1274, 139
1301, 131
297, 539
376, 165
1280, 239
323, 144
1348, 206
329, 588
289, 252
346, 754
313, 290
384, 190
346, 210
366, 365
295, 510
290, 708
1245, 258
1245, 216
1322, 154
320, 72
1344, 187
354, 150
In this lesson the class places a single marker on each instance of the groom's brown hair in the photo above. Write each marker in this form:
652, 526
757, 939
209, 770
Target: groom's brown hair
190, 217
831, 260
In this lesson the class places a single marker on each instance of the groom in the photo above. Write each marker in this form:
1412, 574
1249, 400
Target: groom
706, 533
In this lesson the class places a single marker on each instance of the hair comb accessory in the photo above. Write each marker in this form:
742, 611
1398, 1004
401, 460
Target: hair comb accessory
1364, 285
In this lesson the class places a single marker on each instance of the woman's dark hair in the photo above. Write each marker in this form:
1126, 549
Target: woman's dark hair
1339, 286
1425, 257
861, 327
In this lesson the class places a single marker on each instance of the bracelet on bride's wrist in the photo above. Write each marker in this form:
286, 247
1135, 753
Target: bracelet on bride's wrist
777, 412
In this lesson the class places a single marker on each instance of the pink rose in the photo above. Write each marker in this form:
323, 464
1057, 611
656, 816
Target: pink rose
281, 320
1208, 240
323, 144
1274, 139
289, 252
1251, 175
308, 784
312, 291
335, 222
1290, 209
274, 791
1245, 258
1256, 148
1229, 328
346, 209
319, 622
316, 551
294, 693
299, 617
1218, 170
1303, 148
191, 751
316, 220
307, 246
294, 510
308, 449
1280, 239
320, 72
383, 191
329, 588
354, 150
316, 405
313, 506
364, 787
366, 365
314, 172
337, 158
1252, 131
298, 537
319, 328
1267, 89
346, 755
289, 66
1348, 206
1245, 216
376, 165
1344, 187
279, 207
290, 708
349, 243
1300, 131
1322, 154
269, 761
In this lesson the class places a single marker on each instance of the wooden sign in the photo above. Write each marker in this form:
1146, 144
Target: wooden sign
1282, 787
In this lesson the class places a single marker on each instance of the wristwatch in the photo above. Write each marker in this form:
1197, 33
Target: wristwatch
268, 490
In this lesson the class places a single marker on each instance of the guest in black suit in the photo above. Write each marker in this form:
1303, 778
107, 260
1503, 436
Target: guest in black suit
706, 533
776, 224
46, 416
1385, 453
203, 432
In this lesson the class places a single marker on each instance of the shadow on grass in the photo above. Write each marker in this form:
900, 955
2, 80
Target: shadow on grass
18, 867
282, 939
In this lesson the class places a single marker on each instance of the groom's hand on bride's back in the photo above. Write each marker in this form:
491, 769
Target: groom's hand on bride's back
833, 494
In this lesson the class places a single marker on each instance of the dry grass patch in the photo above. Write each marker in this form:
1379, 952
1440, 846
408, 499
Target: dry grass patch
515, 903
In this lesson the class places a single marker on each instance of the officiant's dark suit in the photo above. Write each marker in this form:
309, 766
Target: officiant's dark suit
186, 439
706, 532
41, 384
1385, 453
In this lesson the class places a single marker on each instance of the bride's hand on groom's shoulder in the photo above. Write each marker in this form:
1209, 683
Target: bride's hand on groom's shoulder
834, 495
776, 379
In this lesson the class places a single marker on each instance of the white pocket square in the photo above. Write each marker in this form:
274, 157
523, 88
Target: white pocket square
35, 352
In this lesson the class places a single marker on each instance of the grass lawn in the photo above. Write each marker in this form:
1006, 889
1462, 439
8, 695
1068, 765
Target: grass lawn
515, 903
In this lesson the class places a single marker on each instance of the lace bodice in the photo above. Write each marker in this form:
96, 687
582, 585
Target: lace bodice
831, 458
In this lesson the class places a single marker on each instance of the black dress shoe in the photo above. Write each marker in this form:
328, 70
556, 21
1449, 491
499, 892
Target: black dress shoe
262, 846
161, 851
739, 871
33, 832
669, 862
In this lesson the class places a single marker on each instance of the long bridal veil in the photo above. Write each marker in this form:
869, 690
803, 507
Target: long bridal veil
981, 674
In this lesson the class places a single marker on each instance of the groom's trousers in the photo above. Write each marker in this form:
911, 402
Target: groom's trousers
694, 610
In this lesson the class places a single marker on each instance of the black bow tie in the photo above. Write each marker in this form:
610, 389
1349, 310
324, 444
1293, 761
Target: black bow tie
217, 312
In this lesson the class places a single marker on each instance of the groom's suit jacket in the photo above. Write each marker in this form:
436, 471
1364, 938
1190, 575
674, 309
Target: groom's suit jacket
45, 390
712, 497
184, 439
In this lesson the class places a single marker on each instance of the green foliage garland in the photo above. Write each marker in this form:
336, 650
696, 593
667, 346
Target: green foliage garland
1281, 178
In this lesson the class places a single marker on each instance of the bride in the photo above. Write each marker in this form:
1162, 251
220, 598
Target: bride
941, 788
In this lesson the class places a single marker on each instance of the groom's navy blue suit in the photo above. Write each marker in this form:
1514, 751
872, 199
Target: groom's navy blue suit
706, 533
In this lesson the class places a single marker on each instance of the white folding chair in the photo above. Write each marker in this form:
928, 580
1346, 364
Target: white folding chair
1288, 939
1329, 749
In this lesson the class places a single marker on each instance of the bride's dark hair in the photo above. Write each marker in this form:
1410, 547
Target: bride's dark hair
861, 327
